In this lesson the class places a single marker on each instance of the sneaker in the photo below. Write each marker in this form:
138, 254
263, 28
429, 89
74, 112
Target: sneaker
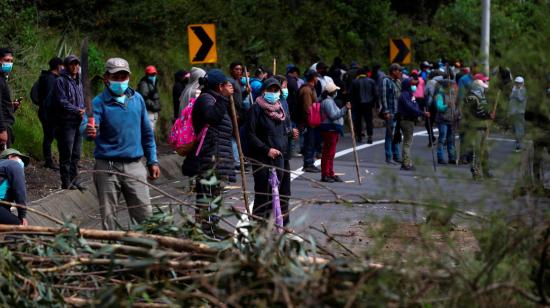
475, 173
327, 179
369, 140
397, 160
518, 149
359, 140
390, 162
51, 165
318, 155
78, 186
441, 162
452, 161
337, 179
311, 169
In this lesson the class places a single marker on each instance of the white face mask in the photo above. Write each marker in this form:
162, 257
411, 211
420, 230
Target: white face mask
197, 93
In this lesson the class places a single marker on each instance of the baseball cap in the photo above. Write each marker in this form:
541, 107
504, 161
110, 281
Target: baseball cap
271, 82
395, 67
150, 70
7, 152
70, 59
215, 77
519, 79
481, 76
115, 65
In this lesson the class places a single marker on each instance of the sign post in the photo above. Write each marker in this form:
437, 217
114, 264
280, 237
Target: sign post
202, 43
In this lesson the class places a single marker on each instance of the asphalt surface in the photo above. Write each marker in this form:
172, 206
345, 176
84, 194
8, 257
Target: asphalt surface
314, 204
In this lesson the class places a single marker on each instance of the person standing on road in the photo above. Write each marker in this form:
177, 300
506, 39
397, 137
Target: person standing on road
68, 103
239, 92
364, 95
148, 89
516, 110
213, 155
181, 78
331, 128
432, 88
7, 106
268, 133
292, 75
447, 119
477, 117
122, 137
256, 82
46, 85
390, 91
306, 98
409, 112
12, 186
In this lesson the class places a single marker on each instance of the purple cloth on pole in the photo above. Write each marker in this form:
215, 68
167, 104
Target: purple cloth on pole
275, 200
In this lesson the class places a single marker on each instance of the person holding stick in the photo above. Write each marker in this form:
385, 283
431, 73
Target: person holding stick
268, 127
331, 128
213, 156
477, 117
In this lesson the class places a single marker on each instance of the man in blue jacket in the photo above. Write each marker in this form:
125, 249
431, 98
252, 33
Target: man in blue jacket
68, 100
123, 135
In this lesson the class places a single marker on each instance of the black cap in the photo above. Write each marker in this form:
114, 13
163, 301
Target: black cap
71, 58
269, 82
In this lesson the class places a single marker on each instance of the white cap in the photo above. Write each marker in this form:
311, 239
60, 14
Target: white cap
331, 87
519, 79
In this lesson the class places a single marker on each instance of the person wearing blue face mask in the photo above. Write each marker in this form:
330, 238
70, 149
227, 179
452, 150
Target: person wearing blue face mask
268, 127
68, 105
12, 186
7, 106
148, 88
123, 135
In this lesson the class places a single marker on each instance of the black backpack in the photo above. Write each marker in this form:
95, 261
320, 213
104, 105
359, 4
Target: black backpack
34, 93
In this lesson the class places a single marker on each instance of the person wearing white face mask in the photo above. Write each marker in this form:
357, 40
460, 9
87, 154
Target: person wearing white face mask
123, 135
12, 186
516, 111
268, 127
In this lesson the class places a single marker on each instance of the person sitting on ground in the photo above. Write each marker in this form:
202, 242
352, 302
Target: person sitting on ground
12, 186
331, 127
409, 112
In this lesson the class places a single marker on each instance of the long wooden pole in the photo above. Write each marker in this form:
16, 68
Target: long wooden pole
240, 149
274, 66
354, 147
248, 85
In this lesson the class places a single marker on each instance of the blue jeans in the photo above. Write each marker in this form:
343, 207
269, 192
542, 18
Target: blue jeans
308, 150
519, 128
391, 149
235, 152
446, 138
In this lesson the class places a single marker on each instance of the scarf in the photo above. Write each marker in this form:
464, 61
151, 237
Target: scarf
273, 111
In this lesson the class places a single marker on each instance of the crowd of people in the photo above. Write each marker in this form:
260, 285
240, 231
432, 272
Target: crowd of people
278, 117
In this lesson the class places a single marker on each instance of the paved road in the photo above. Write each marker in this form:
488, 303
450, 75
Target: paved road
383, 181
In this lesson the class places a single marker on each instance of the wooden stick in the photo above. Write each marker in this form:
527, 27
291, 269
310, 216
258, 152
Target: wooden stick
248, 85
240, 149
274, 66
488, 128
354, 147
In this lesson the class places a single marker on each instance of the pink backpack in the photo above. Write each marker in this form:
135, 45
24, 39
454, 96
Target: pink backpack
314, 115
182, 137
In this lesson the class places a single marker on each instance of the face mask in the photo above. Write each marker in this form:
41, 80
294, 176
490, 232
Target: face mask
20, 162
120, 99
243, 80
6, 67
271, 97
152, 78
118, 87
413, 88
335, 94
197, 92
285, 93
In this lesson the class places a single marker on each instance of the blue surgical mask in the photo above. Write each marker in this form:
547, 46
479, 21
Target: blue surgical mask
272, 97
413, 88
120, 99
153, 79
20, 162
335, 94
6, 67
118, 87
285, 93
243, 80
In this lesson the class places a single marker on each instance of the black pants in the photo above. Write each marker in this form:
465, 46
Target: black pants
206, 194
263, 206
7, 218
48, 129
363, 111
69, 145
285, 192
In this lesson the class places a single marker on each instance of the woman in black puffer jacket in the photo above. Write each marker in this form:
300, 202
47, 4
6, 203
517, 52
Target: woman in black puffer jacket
216, 154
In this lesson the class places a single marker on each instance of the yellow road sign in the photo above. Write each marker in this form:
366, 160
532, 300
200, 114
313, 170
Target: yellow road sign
202, 43
400, 51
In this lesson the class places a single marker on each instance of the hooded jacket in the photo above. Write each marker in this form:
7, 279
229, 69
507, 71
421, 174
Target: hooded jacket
333, 117
364, 91
125, 132
68, 98
407, 106
150, 94
46, 84
446, 103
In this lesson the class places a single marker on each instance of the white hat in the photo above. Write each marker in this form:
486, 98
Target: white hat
519, 79
331, 87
